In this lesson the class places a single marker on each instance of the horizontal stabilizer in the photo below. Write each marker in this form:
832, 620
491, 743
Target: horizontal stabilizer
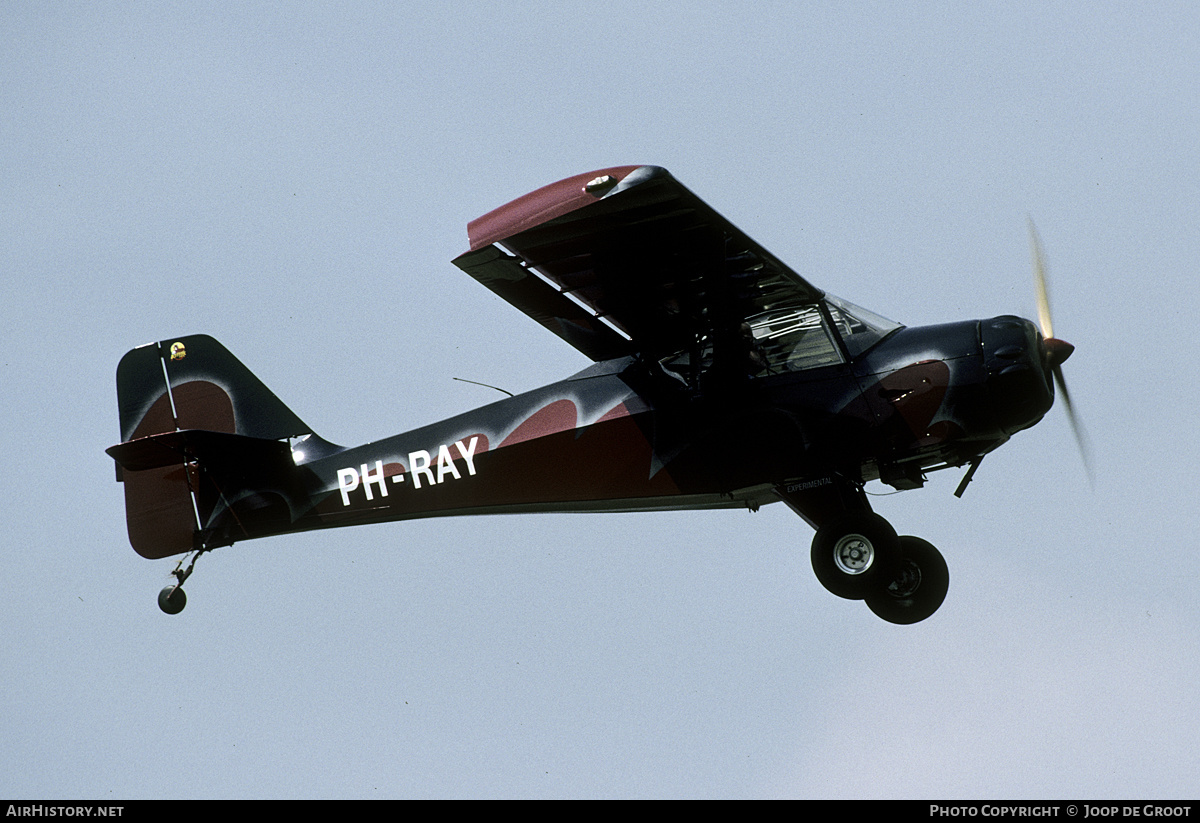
206, 447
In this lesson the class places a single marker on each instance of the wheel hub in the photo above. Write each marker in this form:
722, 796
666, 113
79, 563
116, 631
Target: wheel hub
853, 554
907, 581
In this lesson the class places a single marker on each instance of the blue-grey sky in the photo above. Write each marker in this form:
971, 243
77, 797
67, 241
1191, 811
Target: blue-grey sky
295, 179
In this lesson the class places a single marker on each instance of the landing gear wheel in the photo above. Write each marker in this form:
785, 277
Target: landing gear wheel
851, 554
918, 585
172, 600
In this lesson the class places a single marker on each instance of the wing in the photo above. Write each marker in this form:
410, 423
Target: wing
628, 261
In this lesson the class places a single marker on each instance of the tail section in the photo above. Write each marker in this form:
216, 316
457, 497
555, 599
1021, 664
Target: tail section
205, 456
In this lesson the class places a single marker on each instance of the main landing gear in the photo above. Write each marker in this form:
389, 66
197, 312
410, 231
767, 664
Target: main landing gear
859, 556
856, 554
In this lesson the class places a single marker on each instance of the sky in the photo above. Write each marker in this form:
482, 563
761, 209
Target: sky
295, 180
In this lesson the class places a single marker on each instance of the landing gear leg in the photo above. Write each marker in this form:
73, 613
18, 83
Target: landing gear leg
172, 598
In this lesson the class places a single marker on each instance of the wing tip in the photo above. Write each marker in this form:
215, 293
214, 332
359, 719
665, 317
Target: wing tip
555, 200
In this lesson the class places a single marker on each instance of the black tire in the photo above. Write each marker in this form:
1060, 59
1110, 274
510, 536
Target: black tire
918, 585
172, 600
852, 553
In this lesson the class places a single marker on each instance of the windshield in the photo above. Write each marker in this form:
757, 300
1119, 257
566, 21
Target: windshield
859, 328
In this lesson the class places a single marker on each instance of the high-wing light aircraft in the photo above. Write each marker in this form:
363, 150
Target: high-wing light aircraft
722, 379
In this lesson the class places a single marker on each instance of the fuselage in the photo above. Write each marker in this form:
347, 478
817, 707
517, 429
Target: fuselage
620, 436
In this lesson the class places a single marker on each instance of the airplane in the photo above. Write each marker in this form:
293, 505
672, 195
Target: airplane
720, 379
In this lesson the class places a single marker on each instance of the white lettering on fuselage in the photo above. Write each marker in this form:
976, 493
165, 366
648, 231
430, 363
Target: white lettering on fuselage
421, 466
809, 484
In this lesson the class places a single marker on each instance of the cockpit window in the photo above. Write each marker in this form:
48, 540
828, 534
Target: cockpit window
795, 338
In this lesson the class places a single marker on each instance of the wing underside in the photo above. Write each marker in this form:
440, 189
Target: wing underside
628, 261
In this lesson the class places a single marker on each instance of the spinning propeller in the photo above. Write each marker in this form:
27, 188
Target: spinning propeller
1057, 351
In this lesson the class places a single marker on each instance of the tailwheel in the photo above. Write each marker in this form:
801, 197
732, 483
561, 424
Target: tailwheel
850, 555
918, 585
172, 599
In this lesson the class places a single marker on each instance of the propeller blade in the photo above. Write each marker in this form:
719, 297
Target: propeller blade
1057, 350
1081, 438
1039, 279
